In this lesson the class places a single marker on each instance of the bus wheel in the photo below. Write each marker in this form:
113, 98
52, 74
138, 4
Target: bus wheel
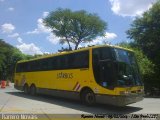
26, 89
33, 90
88, 97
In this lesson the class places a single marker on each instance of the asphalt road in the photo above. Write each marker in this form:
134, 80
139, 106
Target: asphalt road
14, 101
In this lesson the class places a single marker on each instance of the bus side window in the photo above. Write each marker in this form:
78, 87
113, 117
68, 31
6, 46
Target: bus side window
64, 62
50, 66
58, 63
40, 65
19, 67
24, 67
44, 64
47, 64
37, 65
70, 61
76, 61
84, 59
31, 66
79, 60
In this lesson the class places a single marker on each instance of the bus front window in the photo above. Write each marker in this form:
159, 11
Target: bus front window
127, 68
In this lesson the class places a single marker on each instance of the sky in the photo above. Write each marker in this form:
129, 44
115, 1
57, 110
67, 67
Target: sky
21, 21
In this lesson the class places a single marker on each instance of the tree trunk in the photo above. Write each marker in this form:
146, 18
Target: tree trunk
68, 44
76, 46
77, 43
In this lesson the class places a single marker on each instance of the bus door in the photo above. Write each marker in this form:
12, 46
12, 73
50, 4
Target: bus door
103, 67
106, 73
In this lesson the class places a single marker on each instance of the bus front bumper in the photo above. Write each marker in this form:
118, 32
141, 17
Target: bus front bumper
119, 100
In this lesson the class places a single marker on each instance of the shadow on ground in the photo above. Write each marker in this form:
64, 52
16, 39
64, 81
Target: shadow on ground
96, 109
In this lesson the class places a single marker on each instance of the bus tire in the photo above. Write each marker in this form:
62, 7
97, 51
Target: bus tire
33, 90
26, 89
88, 97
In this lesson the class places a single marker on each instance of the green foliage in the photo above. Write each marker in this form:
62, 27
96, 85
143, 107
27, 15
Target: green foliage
145, 31
8, 58
75, 27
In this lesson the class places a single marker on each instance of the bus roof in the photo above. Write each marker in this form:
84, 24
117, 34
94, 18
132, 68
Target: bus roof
67, 52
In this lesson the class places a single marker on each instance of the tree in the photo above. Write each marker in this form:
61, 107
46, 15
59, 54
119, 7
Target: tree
9, 55
145, 31
75, 27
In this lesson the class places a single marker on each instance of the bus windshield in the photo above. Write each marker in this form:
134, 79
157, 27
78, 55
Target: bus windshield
127, 68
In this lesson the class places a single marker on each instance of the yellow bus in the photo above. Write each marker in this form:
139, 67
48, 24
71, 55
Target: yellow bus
98, 74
